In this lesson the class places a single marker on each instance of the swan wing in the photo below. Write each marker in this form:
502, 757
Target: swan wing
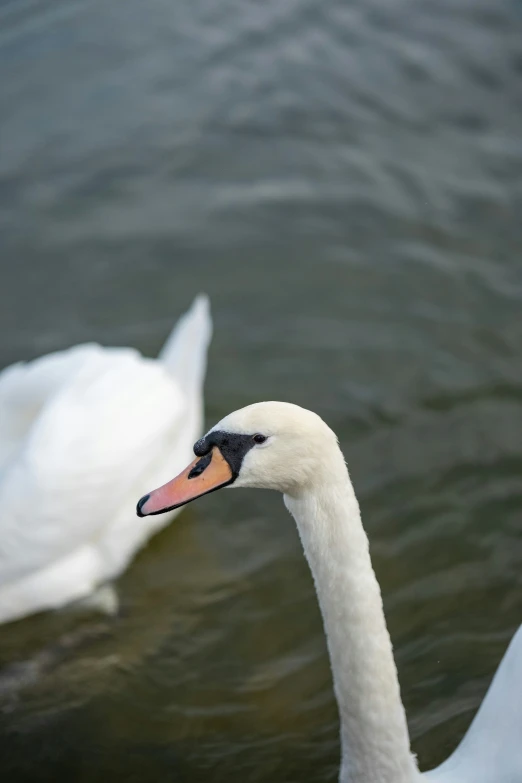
81, 457
491, 750
184, 359
26, 387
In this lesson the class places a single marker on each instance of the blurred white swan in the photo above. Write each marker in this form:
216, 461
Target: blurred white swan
80, 430
282, 447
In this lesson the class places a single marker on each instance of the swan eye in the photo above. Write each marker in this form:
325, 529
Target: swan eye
258, 438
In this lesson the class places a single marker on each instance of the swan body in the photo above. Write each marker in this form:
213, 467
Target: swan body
73, 446
283, 447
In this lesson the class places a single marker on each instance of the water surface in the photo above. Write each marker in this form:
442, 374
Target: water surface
345, 180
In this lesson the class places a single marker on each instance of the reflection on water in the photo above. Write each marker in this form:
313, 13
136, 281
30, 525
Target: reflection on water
345, 181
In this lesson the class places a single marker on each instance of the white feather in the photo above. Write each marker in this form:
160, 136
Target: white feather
491, 751
83, 433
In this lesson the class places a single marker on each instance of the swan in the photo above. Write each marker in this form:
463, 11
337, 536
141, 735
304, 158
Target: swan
72, 430
283, 447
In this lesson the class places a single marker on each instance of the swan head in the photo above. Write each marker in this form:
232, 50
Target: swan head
269, 445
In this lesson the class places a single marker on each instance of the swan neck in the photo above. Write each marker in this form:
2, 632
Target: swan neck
375, 743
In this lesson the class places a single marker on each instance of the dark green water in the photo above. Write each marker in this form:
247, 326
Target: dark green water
345, 180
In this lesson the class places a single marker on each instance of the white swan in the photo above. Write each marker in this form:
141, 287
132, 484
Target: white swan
78, 430
283, 447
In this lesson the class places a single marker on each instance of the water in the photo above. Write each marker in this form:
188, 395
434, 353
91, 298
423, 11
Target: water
345, 180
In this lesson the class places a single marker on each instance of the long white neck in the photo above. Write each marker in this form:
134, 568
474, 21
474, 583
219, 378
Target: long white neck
374, 735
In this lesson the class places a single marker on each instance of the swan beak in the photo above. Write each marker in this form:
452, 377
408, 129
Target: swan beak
202, 476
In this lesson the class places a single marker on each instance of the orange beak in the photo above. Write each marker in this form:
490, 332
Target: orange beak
202, 476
